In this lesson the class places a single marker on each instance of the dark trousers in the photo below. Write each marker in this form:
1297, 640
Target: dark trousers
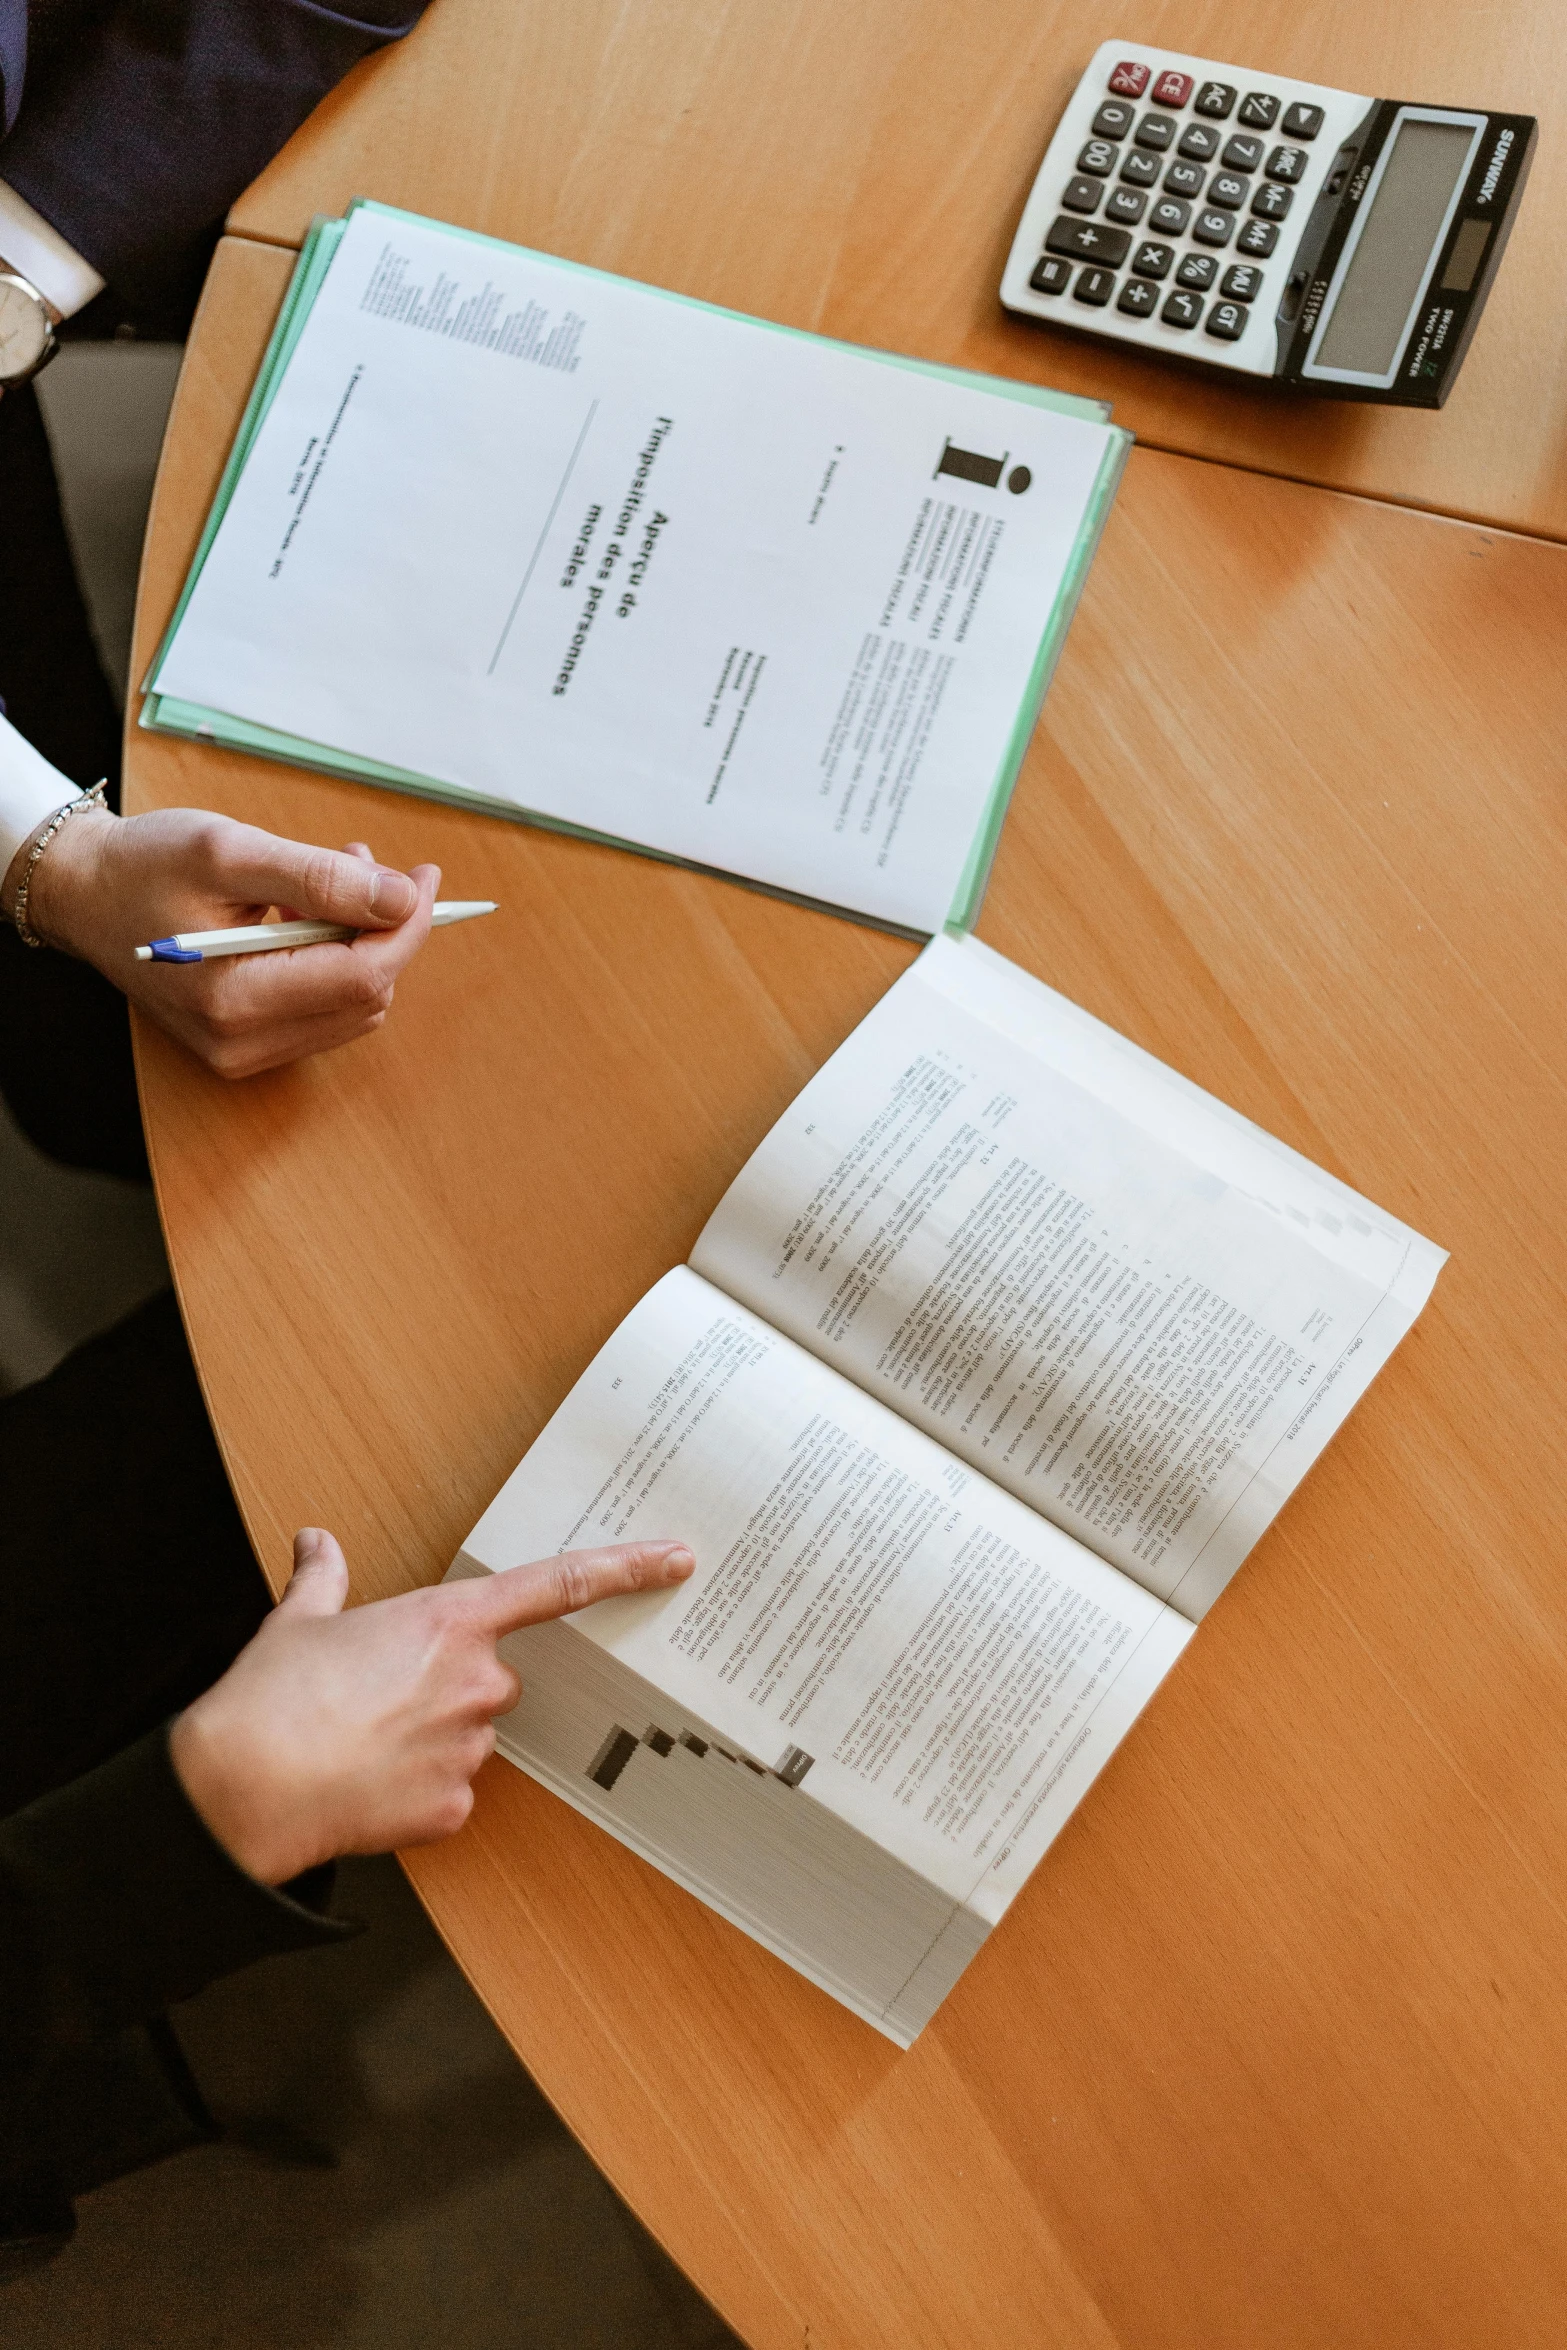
126, 1580
127, 1583
65, 1057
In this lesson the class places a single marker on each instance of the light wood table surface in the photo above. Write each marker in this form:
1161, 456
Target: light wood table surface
860, 170
1272, 2049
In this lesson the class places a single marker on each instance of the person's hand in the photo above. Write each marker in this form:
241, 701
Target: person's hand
108, 884
360, 1732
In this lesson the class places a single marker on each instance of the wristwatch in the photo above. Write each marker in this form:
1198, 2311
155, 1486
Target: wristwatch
27, 324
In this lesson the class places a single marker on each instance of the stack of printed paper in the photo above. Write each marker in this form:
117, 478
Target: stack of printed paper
510, 532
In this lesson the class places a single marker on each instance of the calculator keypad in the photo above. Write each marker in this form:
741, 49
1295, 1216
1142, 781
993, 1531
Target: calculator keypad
1137, 298
1083, 240
1094, 286
1288, 164
1198, 143
1173, 170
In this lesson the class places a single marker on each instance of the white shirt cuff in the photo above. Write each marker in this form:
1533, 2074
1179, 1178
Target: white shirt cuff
42, 255
30, 790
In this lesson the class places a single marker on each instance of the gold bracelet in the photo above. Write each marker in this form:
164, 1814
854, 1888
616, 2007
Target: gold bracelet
90, 799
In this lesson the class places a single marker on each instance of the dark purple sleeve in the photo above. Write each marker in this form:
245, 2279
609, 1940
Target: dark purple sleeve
115, 1901
138, 139
13, 59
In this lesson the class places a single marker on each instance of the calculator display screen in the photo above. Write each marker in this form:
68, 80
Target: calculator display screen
1390, 260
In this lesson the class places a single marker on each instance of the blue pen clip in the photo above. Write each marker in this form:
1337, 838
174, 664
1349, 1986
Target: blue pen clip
167, 950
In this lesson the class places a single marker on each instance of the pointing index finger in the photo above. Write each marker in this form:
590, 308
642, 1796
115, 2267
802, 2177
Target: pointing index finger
537, 1593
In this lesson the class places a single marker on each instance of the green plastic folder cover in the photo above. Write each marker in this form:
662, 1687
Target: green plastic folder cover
164, 714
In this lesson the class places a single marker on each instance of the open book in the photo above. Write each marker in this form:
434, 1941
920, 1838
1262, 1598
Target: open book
986, 1373
524, 536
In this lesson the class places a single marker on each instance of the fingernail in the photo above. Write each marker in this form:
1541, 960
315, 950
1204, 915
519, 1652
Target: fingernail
392, 895
307, 1542
680, 1556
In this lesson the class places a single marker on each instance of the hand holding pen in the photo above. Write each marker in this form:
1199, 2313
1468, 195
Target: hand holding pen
109, 884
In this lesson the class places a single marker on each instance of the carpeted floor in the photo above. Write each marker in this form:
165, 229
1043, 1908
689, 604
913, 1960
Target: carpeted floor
392, 2181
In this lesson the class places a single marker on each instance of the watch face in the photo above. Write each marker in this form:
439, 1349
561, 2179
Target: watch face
24, 330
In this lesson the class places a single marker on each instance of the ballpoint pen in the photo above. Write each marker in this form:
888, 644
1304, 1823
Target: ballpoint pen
262, 938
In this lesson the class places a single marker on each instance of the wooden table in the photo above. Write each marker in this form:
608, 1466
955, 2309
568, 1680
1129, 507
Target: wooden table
860, 170
1272, 2050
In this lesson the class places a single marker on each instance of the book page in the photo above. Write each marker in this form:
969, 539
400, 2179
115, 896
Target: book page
885, 1632
1111, 1294
583, 548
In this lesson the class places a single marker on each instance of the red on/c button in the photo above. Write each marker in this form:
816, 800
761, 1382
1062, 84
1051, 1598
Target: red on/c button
1129, 79
1172, 89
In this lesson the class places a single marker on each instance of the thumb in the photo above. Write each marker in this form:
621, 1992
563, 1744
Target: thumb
324, 885
319, 1583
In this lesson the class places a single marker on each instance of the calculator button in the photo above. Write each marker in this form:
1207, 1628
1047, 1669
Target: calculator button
1184, 179
1199, 143
1270, 203
1215, 99
1125, 205
1171, 89
1113, 120
1181, 310
1094, 286
1212, 228
1081, 195
1139, 171
1098, 157
1241, 153
1152, 260
1169, 216
1197, 271
1288, 163
1258, 238
1301, 122
1051, 276
1129, 79
1227, 320
1083, 240
1137, 300
1155, 130
1242, 283
1259, 110
1229, 191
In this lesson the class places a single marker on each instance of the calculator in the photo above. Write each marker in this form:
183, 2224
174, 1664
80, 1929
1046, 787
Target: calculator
1339, 244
